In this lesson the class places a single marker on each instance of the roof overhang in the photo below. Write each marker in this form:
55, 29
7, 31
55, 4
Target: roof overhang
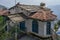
15, 18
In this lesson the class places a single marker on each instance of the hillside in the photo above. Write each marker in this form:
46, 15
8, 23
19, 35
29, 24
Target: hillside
2, 7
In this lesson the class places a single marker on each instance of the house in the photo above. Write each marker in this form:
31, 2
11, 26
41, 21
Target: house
3, 12
3, 15
38, 20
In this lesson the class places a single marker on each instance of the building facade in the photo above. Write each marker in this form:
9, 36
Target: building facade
38, 20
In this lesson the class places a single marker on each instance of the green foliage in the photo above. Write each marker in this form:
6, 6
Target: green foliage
1, 18
3, 34
6, 34
56, 27
2, 23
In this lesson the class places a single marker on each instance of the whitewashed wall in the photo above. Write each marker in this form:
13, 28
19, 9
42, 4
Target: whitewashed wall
28, 24
41, 26
45, 28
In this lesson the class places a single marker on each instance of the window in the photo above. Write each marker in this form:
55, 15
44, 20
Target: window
22, 26
48, 28
35, 26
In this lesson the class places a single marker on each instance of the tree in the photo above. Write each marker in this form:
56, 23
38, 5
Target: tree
56, 27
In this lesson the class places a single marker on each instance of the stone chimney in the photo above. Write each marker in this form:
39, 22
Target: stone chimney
18, 3
42, 5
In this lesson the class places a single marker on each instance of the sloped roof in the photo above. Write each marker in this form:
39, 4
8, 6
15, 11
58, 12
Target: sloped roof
32, 8
44, 15
17, 17
27, 7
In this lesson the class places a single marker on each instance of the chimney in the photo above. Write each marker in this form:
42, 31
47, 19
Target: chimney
42, 5
18, 3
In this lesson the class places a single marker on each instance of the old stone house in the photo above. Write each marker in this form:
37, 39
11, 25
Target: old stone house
38, 20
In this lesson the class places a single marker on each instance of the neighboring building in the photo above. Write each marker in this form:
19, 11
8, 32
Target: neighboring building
3, 12
38, 20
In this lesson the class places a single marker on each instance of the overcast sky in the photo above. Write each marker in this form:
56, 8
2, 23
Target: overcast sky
10, 3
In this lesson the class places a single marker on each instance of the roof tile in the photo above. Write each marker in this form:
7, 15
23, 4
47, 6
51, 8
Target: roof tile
43, 15
3, 12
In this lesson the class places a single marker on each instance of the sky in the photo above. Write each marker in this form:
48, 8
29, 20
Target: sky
10, 3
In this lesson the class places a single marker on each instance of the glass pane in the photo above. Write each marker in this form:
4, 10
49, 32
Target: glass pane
22, 26
48, 27
35, 26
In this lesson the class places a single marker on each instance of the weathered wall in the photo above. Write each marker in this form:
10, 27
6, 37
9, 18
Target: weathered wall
28, 24
40, 27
